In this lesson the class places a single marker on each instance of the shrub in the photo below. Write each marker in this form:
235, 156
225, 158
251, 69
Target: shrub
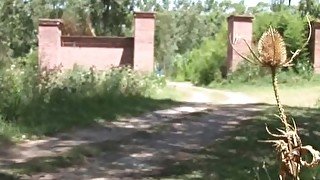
202, 65
67, 97
181, 67
17, 82
253, 74
117, 81
248, 73
293, 28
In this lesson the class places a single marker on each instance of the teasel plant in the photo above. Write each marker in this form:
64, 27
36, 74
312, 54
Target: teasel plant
291, 153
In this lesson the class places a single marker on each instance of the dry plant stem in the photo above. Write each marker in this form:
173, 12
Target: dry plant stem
276, 94
283, 116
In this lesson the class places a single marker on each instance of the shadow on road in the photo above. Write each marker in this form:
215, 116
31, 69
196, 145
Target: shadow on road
191, 140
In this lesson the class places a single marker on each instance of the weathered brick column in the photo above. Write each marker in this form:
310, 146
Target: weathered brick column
49, 37
144, 30
315, 46
239, 28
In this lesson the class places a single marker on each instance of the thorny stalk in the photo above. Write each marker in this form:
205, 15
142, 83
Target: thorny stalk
283, 116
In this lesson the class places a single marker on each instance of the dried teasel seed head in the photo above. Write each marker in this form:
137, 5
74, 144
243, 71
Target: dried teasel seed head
272, 49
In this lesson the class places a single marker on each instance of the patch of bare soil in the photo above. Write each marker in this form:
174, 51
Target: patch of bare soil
142, 146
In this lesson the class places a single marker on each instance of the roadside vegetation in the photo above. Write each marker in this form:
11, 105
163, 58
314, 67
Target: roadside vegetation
191, 45
34, 104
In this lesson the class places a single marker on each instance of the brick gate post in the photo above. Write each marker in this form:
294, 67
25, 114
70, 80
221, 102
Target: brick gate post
49, 41
239, 27
315, 46
144, 30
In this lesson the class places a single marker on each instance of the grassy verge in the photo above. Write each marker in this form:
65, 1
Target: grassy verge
302, 94
239, 155
170, 93
184, 92
34, 106
57, 117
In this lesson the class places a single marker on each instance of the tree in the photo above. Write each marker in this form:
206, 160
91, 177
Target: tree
19, 19
277, 5
17, 29
310, 7
260, 7
110, 17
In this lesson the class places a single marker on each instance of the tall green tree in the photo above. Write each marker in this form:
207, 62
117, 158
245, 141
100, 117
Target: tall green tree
19, 19
260, 7
17, 30
110, 17
277, 5
311, 7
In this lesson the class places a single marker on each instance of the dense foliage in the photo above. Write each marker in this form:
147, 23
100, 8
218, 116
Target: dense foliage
197, 66
203, 64
191, 42
182, 26
55, 100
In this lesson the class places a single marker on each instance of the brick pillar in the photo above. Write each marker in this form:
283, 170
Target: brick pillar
144, 30
239, 27
315, 46
49, 37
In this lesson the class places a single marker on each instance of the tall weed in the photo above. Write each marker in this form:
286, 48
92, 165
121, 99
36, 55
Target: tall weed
50, 101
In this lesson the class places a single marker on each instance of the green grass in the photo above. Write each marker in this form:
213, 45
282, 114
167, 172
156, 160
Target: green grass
34, 106
302, 93
235, 155
170, 93
300, 96
41, 119
186, 93
239, 155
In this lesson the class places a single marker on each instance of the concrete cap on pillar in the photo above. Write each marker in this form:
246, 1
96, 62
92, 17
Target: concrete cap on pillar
144, 14
50, 22
315, 24
242, 18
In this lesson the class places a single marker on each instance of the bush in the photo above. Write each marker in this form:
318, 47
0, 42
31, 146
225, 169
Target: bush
293, 28
17, 82
202, 65
117, 81
248, 73
58, 99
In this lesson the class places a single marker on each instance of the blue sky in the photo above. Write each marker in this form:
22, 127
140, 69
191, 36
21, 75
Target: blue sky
251, 3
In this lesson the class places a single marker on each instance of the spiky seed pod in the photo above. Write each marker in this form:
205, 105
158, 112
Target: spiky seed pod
272, 49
